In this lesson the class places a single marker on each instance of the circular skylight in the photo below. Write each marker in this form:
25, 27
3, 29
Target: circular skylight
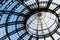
41, 23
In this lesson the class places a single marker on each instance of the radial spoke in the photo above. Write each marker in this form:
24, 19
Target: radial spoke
52, 37
49, 2
57, 8
4, 37
30, 38
37, 3
57, 32
22, 36
44, 38
13, 32
37, 38
23, 3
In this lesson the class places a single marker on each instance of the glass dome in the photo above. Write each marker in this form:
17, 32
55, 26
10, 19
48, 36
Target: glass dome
29, 19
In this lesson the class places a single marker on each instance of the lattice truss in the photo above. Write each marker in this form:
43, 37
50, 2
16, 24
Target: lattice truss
15, 13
